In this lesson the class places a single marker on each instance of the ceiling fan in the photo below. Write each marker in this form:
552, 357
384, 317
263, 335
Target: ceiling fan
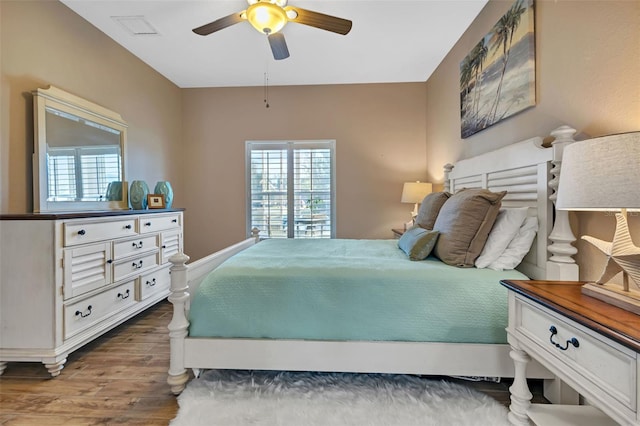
270, 16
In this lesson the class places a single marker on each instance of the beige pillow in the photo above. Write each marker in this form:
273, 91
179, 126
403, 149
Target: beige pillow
464, 223
429, 209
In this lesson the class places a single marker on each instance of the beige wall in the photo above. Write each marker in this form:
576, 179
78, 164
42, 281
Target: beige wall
588, 70
45, 43
380, 143
587, 77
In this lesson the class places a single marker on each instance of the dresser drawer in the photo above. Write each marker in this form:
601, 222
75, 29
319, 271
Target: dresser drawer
153, 283
132, 247
134, 266
153, 223
605, 364
81, 315
89, 232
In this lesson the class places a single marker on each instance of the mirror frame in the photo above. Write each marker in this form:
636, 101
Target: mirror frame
66, 102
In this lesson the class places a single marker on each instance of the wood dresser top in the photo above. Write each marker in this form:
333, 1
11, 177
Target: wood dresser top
82, 214
566, 298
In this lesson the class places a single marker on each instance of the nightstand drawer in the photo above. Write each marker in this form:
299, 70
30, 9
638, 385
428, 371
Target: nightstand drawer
600, 361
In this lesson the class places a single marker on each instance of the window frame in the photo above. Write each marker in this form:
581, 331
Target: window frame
290, 146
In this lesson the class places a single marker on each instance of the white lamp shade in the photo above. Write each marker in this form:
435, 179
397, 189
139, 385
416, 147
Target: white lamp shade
414, 192
601, 174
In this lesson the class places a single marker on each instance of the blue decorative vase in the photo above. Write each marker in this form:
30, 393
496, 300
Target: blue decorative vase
164, 187
138, 195
114, 191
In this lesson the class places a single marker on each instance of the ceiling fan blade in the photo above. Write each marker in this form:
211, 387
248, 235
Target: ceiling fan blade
219, 24
320, 20
278, 46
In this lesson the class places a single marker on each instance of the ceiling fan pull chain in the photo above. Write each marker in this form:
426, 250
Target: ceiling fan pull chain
266, 90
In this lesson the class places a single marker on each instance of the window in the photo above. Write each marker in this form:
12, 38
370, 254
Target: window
291, 189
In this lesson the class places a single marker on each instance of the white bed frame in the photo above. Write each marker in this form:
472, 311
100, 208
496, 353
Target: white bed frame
527, 170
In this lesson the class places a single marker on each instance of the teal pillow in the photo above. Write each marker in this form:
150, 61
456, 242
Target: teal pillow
418, 242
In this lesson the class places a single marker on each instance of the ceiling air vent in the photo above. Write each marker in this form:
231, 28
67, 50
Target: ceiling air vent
136, 25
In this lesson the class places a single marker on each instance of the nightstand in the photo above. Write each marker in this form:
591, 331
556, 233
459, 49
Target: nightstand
588, 344
397, 233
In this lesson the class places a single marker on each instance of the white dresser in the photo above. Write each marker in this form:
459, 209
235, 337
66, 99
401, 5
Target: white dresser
67, 278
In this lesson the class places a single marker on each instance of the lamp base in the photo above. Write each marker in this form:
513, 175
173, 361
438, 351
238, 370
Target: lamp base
614, 295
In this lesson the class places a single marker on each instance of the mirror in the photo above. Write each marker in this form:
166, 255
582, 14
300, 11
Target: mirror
78, 160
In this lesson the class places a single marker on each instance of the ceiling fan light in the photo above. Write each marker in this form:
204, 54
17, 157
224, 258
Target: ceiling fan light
266, 17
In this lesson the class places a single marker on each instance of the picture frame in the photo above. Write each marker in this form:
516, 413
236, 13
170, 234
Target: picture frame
156, 201
498, 76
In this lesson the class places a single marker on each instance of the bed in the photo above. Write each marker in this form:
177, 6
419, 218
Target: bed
455, 344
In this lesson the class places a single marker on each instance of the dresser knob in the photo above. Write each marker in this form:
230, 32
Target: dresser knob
82, 232
127, 227
147, 224
573, 341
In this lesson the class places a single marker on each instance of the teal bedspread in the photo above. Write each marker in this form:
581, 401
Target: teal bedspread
348, 290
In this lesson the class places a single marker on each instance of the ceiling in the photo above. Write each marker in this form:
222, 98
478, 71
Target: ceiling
391, 41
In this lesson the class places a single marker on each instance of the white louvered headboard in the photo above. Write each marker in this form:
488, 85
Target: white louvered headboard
522, 169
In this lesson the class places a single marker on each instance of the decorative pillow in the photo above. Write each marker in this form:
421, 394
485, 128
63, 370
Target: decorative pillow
464, 223
418, 242
518, 247
505, 228
429, 209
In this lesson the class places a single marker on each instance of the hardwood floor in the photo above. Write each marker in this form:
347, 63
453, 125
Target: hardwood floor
118, 379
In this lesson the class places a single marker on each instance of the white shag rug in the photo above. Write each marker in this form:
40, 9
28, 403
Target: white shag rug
239, 398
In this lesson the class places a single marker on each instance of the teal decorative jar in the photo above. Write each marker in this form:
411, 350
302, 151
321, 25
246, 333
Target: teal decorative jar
138, 195
164, 187
114, 191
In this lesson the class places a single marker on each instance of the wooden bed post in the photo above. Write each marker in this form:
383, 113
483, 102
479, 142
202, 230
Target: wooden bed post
179, 324
561, 265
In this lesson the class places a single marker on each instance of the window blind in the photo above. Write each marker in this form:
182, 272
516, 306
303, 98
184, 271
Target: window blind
291, 189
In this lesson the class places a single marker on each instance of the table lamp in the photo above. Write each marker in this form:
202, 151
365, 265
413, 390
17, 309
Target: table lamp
414, 192
603, 174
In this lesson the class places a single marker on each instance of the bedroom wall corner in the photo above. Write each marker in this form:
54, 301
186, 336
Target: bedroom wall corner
587, 70
45, 43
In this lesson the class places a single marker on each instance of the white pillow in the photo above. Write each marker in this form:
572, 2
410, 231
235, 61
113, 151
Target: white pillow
504, 229
518, 247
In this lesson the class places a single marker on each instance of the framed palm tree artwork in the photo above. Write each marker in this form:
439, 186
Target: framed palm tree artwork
497, 78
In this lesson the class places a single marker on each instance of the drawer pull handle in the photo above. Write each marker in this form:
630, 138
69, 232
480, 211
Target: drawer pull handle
127, 227
110, 261
84, 315
123, 296
573, 341
82, 232
174, 220
137, 265
151, 283
147, 224
137, 245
